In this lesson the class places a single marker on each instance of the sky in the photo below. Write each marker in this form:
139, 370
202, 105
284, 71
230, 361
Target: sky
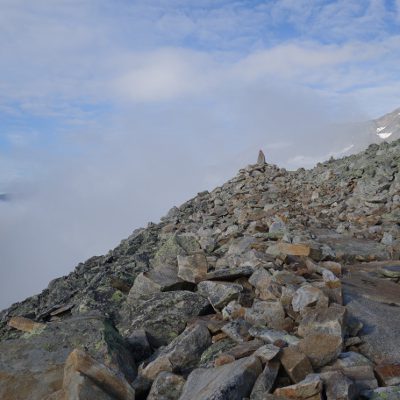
112, 112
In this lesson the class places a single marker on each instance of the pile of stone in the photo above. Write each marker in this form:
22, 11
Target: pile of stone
277, 285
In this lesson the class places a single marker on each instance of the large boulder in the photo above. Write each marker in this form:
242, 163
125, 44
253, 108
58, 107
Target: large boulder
33, 366
163, 316
229, 382
182, 354
86, 379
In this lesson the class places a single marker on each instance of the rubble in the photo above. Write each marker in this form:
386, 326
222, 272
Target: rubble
261, 285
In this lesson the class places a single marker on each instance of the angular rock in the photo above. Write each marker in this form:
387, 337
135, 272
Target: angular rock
296, 364
192, 268
237, 330
388, 375
321, 348
219, 293
229, 274
241, 245
357, 368
214, 351
323, 320
223, 359
273, 335
182, 353
386, 393
139, 345
25, 324
233, 310
174, 246
333, 266
310, 386
338, 386
32, 367
245, 349
80, 387
162, 279
232, 381
265, 381
289, 249
167, 386
81, 362
270, 313
266, 352
163, 316
307, 296
263, 282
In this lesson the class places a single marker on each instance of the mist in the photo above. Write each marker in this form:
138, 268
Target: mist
111, 115
144, 162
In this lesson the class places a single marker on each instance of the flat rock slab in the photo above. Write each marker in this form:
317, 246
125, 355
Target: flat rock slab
376, 303
348, 248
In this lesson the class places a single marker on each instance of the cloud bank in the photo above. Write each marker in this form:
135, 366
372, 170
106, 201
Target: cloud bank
113, 113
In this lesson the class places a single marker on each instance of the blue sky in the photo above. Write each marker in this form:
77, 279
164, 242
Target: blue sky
111, 112
66, 66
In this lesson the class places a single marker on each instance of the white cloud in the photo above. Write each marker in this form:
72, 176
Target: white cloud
150, 102
165, 74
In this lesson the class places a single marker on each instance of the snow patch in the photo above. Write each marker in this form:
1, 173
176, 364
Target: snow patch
380, 129
384, 135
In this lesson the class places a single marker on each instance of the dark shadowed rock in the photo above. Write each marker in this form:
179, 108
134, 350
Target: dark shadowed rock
167, 386
265, 381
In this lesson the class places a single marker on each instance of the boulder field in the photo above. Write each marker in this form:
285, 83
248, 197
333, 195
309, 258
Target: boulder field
277, 285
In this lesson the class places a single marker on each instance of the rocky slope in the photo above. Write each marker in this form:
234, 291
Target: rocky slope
278, 284
388, 126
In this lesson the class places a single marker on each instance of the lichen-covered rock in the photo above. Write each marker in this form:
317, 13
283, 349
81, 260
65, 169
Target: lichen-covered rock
193, 268
33, 366
219, 293
231, 381
163, 316
270, 313
167, 386
182, 354
270, 256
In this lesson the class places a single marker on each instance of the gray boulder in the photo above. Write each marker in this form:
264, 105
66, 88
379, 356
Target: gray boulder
233, 381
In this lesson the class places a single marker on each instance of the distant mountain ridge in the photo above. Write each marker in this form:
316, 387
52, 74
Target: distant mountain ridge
387, 127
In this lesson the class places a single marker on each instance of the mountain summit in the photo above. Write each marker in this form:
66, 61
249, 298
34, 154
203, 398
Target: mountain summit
278, 284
